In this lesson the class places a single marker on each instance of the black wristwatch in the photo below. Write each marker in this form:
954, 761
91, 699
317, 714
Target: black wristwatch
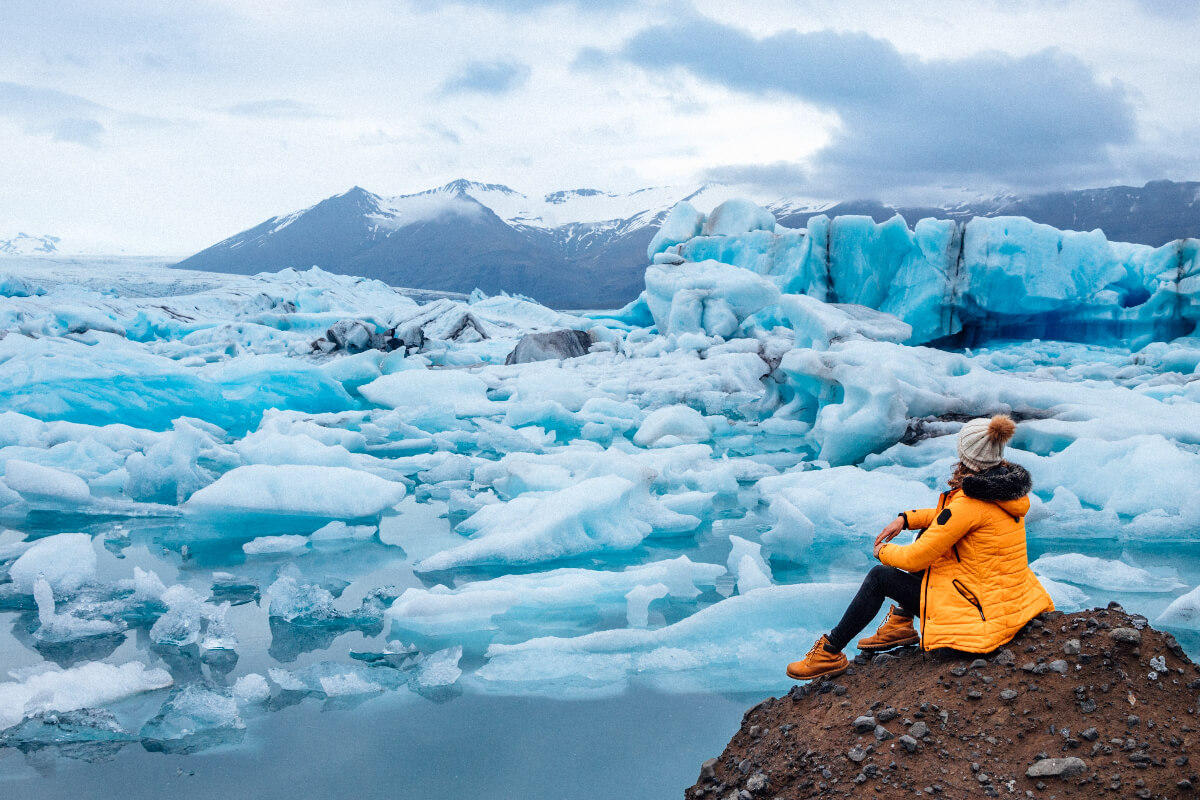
904, 515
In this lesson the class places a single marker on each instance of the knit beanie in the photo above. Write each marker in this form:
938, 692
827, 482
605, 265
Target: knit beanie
981, 441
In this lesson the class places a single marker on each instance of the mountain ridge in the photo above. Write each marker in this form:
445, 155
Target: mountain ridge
586, 247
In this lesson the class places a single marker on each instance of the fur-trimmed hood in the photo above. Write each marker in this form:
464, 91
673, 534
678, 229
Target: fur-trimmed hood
1006, 485
1004, 482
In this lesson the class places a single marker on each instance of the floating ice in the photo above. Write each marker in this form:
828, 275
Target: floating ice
672, 425
561, 595
180, 625
594, 515
1183, 612
1065, 596
304, 490
91, 684
638, 600
252, 688
1102, 573
746, 563
57, 628
193, 718
34, 481
275, 544
349, 683
65, 560
736, 643
440, 668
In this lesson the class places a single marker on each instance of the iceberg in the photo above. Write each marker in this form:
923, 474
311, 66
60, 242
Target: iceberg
338, 492
85, 686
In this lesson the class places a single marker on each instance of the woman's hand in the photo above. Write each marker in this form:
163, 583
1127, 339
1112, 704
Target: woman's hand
890, 532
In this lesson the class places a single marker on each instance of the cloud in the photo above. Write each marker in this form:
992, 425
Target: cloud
487, 77
782, 175
80, 131
61, 116
1022, 121
275, 109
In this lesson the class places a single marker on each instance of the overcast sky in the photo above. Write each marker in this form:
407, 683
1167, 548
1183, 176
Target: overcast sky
164, 127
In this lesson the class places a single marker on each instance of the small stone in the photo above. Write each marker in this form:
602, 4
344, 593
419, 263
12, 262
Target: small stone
1059, 666
1126, 636
884, 658
887, 714
756, 731
1091, 734
1133, 720
978, 663
1029, 666
1008, 695
1057, 768
909, 743
974, 694
864, 724
1185, 785
918, 730
1005, 658
882, 734
1072, 647
757, 783
857, 755
958, 671
708, 769
744, 766
1087, 706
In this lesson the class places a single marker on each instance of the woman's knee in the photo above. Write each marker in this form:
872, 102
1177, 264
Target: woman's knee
879, 574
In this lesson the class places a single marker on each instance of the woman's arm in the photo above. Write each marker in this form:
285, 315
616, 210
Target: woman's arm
951, 524
917, 518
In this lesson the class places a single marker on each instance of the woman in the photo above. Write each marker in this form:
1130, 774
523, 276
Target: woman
966, 575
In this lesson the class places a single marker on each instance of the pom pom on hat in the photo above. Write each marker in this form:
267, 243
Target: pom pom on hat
981, 441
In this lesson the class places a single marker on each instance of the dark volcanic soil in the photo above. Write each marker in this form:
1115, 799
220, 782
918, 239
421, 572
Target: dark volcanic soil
1097, 702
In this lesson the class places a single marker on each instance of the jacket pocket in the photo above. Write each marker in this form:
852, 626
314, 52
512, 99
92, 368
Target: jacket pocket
969, 596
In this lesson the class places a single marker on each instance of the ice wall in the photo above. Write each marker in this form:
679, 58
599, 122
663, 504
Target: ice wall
954, 283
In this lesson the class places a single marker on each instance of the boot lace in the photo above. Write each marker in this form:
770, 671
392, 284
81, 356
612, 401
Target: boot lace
816, 648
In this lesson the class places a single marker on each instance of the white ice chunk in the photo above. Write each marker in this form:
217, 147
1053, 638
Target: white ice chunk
66, 560
274, 544
594, 515
1065, 596
180, 625
638, 600
682, 423
347, 683
338, 531
459, 390
88, 685
1184, 612
738, 215
306, 490
682, 223
1102, 573
440, 668
251, 688
36, 481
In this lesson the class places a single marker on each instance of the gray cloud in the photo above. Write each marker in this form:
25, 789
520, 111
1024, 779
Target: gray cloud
487, 77
1035, 120
275, 109
79, 131
61, 116
782, 175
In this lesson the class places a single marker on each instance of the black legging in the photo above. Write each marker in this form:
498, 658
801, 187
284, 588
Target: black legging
881, 582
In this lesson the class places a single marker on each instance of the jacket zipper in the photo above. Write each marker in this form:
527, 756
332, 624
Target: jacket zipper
969, 596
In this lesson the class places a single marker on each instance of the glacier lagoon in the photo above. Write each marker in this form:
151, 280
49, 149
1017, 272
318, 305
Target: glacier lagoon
302, 515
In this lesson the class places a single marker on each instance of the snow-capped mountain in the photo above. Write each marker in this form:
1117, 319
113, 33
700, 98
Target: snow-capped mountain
587, 248
23, 244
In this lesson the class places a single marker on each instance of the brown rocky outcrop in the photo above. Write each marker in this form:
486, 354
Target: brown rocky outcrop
1083, 705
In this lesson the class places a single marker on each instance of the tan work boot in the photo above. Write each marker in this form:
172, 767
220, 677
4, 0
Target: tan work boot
819, 663
896, 631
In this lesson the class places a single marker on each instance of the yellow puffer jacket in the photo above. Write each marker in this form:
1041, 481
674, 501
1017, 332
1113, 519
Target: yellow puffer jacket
978, 590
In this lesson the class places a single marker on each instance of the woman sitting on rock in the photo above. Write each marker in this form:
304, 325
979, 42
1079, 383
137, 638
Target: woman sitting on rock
966, 575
